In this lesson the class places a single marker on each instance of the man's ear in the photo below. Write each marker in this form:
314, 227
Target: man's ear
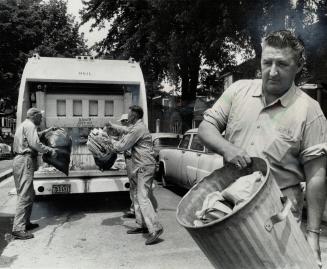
300, 65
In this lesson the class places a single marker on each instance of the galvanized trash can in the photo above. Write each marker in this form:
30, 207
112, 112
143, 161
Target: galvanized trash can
261, 234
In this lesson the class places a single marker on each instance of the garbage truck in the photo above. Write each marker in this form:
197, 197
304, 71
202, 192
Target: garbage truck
80, 94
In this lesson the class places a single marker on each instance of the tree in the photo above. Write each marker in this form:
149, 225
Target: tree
310, 22
33, 26
169, 38
60, 35
192, 41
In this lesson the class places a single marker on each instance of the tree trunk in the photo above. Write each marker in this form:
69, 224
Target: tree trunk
190, 80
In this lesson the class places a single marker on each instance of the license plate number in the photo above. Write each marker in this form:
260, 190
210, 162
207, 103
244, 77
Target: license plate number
61, 189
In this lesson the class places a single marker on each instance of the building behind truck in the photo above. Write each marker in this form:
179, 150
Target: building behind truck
79, 94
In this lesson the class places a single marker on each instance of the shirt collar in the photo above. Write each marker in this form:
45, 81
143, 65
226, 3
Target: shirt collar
287, 97
258, 90
284, 100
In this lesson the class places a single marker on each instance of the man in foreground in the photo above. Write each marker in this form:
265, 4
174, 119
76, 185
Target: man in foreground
273, 119
139, 141
26, 147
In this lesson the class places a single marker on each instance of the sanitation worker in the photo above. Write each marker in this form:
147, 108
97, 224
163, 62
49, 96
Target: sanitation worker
139, 141
273, 119
26, 147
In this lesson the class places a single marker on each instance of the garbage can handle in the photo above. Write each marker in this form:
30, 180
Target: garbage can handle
269, 224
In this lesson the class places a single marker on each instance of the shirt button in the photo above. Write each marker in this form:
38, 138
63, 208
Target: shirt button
252, 143
258, 126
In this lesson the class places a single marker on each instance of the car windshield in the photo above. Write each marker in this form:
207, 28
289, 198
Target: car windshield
166, 141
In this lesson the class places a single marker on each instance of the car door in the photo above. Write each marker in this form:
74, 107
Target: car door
173, 163
208, 162
190, 160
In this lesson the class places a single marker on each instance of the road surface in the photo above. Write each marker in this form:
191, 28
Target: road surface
5, 165
88, 231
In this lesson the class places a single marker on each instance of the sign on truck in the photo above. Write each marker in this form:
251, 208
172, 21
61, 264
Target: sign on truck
79, 94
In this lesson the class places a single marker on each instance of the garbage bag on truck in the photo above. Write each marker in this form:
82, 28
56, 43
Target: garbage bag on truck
99, 144
62, 143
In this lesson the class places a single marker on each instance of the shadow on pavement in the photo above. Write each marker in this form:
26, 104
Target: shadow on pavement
177, 190
6, 221
60, 209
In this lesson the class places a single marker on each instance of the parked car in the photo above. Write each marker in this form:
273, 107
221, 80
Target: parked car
189, 162
5, 152
163, 141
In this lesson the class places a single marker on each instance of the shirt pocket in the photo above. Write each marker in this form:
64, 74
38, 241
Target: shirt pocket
281, 145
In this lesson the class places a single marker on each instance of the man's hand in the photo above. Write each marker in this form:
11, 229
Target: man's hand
53, 128
313, 240
107, 126
237, 156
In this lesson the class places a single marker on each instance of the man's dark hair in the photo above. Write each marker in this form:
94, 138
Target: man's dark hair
137, 110
285, 39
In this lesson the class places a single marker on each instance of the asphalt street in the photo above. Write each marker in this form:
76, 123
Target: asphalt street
5, 165
88, 231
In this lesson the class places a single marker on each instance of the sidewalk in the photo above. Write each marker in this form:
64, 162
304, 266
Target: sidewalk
5, 169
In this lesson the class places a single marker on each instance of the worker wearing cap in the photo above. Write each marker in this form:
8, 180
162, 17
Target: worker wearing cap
121, 130
139, 141
26, 147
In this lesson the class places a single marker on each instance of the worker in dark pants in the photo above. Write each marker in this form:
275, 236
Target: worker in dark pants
26, 147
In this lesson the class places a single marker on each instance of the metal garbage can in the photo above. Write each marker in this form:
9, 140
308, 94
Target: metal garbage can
261, 234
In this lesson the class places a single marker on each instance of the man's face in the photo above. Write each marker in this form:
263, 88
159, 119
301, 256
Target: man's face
37, 119
278, 67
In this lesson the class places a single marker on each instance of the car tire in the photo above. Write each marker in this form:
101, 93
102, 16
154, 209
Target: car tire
162, 175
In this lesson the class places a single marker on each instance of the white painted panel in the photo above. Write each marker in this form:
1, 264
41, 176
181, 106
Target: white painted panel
77, 108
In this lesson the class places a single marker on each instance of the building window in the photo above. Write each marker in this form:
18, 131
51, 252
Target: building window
109, 108
93, 108
61, 108
77, 108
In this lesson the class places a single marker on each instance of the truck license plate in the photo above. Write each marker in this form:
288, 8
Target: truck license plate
61, 189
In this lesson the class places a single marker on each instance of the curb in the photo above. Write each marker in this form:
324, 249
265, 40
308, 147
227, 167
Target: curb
5, 174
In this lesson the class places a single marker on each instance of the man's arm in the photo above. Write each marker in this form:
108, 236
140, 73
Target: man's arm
212, 138
117, 128
43, 132
34, 141
128, 141
315, 173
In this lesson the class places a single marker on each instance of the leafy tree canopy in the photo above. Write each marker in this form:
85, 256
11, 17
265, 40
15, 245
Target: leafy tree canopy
191, 42
32, 26
176, 39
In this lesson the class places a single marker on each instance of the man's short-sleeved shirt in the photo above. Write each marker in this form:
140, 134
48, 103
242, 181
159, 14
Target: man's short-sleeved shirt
26, 139
288, 133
